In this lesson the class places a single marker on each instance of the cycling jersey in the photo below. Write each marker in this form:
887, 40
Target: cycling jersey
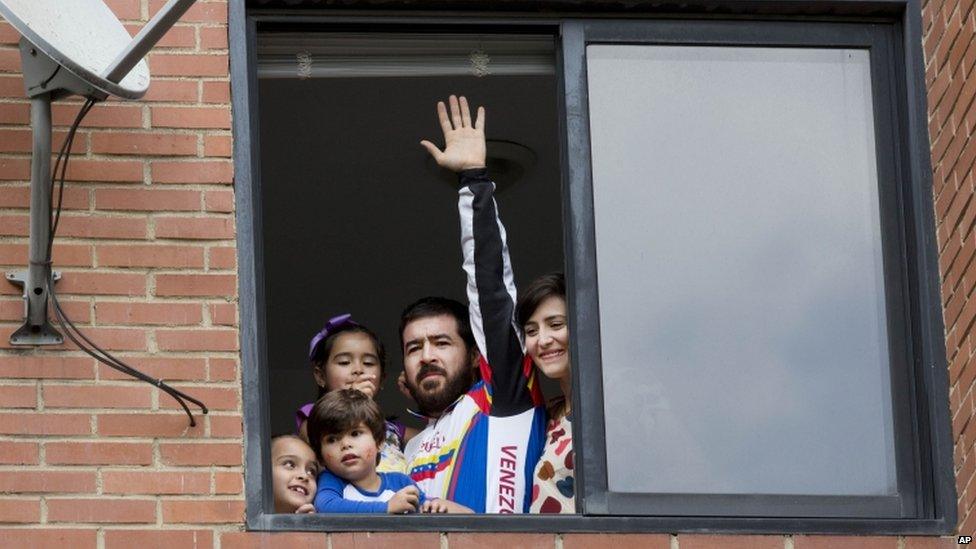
481, 452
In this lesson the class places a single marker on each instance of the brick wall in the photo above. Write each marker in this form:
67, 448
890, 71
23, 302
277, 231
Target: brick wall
950, 56
89, 458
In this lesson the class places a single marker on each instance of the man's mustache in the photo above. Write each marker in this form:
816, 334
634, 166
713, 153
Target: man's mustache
426, 369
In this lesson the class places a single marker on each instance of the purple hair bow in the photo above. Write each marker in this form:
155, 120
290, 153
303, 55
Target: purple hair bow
334, 324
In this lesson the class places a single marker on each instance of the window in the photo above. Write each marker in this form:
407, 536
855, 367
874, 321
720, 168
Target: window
750, 255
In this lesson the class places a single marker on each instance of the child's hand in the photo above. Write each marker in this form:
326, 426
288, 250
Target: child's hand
305, 508
404, 501
364, 384
402, 385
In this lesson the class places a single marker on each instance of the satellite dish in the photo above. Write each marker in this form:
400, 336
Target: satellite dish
83, 37
69, 47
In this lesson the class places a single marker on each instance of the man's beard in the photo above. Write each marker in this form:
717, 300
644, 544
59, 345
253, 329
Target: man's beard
433, 403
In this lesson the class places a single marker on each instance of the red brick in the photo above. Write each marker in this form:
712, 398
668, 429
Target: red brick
102, 227
194, 228
17, 140
201, 172
216, 398
45, 423
150, 256
102, 116
71, 255
223, 369
144, 144
187, 453
96, 396
46, 367
845, 542
218, 285
155, 425
19, 197
204, 512
98, 453
12, 86
13, 225
223, 258
16, 453
304, 540
98, 283
217, 145
184, 91
9, 61
20, 510
149, 200
693, 541
509, 541
228, 483
14, 168
159, 539
400, 540
8, 35
179, 36
216, 92
48, 538
225, 426
191, 117
919, 542
223, 314
197, 340
213, 38
201, 12
115, 339
105, 170
219, 201
193, 369
17, 113
125, 9
166, 314
155, 482
46, 480
101, 510
166, 64
18, 396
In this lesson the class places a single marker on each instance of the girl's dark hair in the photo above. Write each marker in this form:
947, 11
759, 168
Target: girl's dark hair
350, 329
542, 288
340, 411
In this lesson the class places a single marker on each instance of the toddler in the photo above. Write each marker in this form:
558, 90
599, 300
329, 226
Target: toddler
346, 429
293, 472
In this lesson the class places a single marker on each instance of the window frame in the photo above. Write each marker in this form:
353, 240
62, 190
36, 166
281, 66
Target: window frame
930, 425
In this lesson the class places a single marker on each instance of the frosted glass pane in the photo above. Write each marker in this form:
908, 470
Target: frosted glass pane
738, 250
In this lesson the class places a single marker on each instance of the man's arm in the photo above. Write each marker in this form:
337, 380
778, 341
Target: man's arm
491, 285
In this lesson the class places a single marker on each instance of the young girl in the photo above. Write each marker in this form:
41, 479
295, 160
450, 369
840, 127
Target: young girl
348, 355
542, 312
294, 470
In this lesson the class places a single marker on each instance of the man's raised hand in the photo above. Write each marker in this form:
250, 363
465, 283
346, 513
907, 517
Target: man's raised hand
464, 142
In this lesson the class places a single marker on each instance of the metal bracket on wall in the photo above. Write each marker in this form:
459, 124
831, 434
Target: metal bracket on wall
41, 333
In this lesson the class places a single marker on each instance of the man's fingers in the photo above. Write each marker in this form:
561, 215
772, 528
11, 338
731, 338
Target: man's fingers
455, 112
465, 113
479, 121
442, 117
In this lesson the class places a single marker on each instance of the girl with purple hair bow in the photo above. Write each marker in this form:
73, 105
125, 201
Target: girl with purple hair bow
348, 355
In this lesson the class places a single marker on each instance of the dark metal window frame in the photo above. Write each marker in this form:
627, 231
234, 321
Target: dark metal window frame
891, 30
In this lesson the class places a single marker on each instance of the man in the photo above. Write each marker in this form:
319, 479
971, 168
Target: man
483, 437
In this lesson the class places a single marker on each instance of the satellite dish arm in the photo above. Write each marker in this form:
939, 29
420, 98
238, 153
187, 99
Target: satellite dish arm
165, 18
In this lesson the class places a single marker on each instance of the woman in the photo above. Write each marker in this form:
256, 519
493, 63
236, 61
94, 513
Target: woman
542, 312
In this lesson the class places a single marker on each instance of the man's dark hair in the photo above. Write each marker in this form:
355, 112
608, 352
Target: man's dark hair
542, 288
350, 329
437, 306
340, 411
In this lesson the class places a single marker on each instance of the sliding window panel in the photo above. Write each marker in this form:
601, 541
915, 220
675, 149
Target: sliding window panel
752, 342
